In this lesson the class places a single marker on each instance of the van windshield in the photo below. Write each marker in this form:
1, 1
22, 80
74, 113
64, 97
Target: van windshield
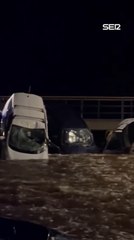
27, 140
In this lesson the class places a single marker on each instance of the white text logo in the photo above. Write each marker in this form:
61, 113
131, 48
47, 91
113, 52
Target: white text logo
116, 26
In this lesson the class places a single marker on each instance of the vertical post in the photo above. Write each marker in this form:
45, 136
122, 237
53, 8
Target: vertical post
122, 109
29, 89
81, 108
98, 108
131, 108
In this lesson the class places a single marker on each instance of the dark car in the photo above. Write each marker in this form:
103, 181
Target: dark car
19, 230
68, 131
121, 140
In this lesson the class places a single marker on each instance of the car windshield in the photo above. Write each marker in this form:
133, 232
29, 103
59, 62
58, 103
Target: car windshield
27, 140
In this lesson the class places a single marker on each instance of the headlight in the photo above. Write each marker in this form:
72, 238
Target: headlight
72, 136
78, 136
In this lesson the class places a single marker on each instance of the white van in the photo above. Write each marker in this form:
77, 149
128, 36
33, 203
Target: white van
25, 127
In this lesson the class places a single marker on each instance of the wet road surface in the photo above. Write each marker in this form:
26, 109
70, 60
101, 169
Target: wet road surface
87, 196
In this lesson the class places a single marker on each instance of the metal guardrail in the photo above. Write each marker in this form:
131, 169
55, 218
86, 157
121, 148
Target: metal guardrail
93, 107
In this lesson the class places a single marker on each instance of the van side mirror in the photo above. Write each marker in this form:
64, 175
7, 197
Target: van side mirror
53, 147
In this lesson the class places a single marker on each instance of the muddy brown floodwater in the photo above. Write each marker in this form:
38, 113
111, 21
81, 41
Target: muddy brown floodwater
86, 196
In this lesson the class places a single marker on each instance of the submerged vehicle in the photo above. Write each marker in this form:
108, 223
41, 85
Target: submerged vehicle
20, 230
121, 140
25, 130
68, 131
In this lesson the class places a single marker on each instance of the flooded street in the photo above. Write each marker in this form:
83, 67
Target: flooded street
86, 196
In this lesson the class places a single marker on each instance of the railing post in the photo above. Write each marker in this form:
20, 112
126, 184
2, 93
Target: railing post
131, 108
98, 109
81, 108
122, 109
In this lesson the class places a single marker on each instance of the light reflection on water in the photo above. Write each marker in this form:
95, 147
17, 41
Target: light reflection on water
89, 196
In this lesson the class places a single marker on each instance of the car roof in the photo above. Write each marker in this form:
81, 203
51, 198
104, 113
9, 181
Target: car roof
65, 115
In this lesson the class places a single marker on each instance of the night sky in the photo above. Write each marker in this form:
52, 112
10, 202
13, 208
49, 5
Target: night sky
62, 49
